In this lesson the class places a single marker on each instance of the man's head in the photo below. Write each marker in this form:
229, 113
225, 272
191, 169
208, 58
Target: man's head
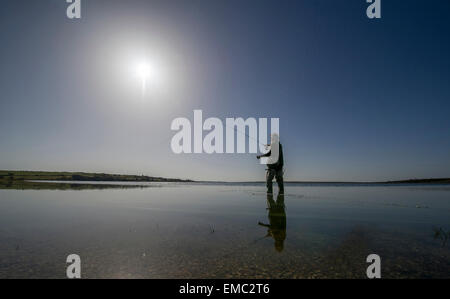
279, 237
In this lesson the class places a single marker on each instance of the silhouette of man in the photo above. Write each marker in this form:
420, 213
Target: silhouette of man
277, 221
274, 168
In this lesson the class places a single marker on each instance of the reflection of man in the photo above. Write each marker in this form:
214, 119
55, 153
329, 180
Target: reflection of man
277, 221
275, 167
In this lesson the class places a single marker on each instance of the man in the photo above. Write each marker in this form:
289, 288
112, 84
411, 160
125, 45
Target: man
277, 221
275, 166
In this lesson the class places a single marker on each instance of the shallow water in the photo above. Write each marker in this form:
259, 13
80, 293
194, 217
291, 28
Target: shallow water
226, 231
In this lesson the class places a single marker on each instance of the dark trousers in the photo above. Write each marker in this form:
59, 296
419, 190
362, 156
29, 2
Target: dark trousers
278, 175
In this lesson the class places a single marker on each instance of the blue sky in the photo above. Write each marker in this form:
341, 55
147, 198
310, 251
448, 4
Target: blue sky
357, 99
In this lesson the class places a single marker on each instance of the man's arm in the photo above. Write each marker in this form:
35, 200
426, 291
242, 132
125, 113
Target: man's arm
262, 224
265, 155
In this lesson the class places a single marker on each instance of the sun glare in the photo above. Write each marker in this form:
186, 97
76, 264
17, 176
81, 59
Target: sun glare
143, 70
146, 73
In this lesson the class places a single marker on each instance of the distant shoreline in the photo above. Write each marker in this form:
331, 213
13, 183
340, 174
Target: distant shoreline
18, 175
39, 180
409, 181
8, 176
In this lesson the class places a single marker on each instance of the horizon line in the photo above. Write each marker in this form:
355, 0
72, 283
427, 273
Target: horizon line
410, 180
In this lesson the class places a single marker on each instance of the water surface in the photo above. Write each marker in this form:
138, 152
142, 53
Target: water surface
227, 231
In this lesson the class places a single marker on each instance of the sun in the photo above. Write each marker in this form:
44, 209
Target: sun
146, 73
143, 70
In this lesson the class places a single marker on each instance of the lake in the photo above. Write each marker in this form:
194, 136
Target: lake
227, 231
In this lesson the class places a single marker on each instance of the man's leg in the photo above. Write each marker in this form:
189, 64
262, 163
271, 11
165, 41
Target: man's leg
269, 178
270, 201
279, 178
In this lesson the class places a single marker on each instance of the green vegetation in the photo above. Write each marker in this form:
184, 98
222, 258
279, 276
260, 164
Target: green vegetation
26, 185
440, 181
30, 180
422, 181
35, 180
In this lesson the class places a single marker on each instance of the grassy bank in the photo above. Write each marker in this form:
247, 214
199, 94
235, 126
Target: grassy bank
29, 180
